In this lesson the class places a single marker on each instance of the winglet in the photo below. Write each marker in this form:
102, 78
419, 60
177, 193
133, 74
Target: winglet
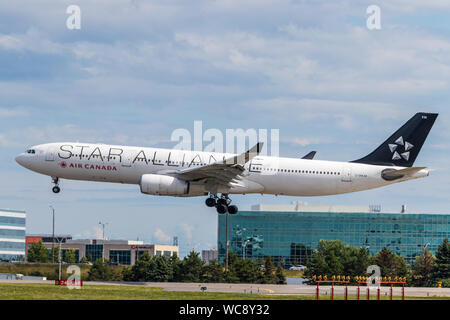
246, 156
310, 155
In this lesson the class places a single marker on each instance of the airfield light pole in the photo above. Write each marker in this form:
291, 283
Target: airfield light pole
53, 234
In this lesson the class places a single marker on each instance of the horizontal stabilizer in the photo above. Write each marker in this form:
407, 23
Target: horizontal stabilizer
392, 174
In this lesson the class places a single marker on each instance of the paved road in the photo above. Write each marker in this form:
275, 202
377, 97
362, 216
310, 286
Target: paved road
262, 289
291, 289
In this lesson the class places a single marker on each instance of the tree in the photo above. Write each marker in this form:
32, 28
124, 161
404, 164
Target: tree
242, 270
391, 264
269, 275
441, 269
356, 261
281, 279
100, 271
192, 268
213, 272
37, 253
175, 266
69, 256
327, 259
140, 271
127, 274
159, 269
53, 254
423, 268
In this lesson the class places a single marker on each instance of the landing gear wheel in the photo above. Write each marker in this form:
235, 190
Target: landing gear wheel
221, 209
232, 209
56, 188
222, 201
210, 202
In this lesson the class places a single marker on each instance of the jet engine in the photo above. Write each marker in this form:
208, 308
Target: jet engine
161, 185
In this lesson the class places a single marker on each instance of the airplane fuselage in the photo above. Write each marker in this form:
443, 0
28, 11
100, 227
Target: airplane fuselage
263, 174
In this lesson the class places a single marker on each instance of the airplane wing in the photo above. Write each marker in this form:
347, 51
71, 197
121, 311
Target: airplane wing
392, 174
310, 155
225, 172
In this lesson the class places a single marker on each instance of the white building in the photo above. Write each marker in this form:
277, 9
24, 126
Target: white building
12, 235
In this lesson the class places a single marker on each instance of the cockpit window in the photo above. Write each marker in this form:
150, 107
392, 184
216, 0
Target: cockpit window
32, 151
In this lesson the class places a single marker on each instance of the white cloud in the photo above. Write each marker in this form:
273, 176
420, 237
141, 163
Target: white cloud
31, 40
305, 141
15, 112
161, 236
188, 229
32, 135
93, 233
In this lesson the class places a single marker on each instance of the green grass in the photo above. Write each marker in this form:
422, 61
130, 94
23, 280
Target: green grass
293, 273
110, 292
40, 269
14, 291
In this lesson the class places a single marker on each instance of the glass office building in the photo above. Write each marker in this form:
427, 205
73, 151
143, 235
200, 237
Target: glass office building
124, 252
12, 235
290, 237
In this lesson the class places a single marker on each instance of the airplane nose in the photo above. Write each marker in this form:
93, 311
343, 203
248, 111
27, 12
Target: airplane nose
20, 160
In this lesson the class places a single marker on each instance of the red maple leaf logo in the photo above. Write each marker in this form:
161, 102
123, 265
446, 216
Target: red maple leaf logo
63, 164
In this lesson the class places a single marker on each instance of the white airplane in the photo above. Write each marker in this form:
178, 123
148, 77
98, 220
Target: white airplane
167, 172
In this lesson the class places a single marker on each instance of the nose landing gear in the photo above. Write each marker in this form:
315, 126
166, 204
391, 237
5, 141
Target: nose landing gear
56, 188
222, 204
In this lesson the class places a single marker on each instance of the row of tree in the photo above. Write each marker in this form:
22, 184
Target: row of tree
191, 269
336, 258
330, 258
39, 253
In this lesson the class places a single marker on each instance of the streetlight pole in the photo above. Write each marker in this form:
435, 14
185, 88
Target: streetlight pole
103, 227
103, 236
60, 258
226, 241
53, 234
244, 248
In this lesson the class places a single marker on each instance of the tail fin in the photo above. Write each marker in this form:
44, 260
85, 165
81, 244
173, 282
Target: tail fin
403, 147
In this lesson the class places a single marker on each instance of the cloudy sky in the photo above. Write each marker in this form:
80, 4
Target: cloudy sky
137, 70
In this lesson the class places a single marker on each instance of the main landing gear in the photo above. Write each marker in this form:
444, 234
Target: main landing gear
222, 204
56, 188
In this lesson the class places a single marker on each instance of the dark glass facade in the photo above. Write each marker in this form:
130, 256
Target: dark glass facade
120, 256
94, 251
290, 237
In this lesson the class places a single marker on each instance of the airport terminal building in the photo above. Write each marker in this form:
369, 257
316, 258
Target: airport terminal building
12, 235
289, 233
124, 252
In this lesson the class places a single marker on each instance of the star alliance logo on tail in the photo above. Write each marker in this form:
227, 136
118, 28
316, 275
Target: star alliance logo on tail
394, 147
